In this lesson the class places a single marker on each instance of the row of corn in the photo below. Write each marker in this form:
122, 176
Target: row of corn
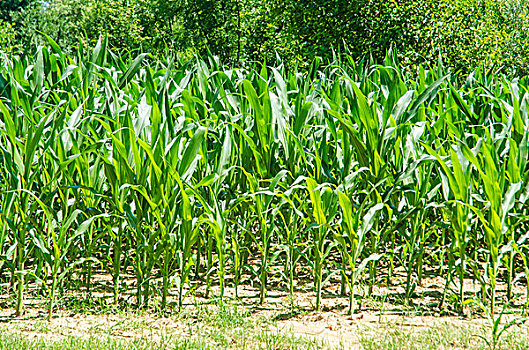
190, 173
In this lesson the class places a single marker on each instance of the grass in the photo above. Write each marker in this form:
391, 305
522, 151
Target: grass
438, 336
267, 341
12, 341
206, 327
234, 326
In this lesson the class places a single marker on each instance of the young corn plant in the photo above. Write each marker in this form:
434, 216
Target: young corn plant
355, 225
501, 193
323, 203
457, 182
22, 143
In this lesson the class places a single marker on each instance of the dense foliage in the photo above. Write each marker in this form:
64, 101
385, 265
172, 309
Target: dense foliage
465, 34
182, 173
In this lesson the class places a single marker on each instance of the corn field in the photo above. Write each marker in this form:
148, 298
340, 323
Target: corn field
185, 173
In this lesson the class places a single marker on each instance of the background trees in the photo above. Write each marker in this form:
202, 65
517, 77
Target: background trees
465, 34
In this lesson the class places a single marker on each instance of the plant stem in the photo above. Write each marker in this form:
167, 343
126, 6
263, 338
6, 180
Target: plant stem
20, 286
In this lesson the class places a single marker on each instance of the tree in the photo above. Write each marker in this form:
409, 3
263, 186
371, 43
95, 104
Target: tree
9, 7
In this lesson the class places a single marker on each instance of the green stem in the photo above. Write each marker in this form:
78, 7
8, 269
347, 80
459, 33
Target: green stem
139, 282
20, 287
165, 280
263, 279
352, 294
318, 289
181, 295
408, 281
52, 297
461, 277
146, 291
117, 266
209, 264
510, 267
291, 273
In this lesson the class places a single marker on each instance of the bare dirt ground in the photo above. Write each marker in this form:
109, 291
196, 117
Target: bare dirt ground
382, 321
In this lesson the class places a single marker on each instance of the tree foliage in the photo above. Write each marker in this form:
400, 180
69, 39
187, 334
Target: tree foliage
464, 33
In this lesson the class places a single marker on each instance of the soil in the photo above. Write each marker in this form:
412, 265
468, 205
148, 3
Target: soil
332, 326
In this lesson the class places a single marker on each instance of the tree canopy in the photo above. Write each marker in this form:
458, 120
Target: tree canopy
463, 33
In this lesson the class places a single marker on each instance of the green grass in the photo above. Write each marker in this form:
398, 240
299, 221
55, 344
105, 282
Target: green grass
11, 341
438, 336
206, 327
226, 328
269, 342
